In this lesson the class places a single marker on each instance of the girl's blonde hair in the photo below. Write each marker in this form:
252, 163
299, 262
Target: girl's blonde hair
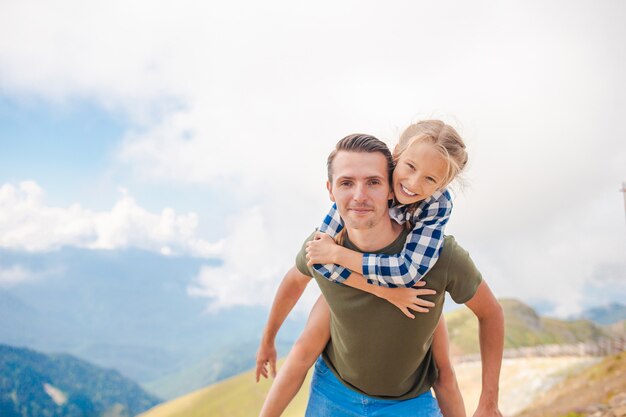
445, 139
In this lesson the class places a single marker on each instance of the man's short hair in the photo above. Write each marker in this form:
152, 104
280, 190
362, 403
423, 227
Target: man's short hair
360, 142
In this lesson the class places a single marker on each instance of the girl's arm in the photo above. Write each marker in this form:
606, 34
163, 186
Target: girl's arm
421, 249
302, 356
331, 226
403, 298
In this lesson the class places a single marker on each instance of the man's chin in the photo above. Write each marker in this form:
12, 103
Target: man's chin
360, 225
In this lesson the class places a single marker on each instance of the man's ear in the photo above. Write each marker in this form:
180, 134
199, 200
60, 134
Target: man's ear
329, 187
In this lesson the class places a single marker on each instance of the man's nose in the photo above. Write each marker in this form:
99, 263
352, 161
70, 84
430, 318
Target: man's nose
360, 193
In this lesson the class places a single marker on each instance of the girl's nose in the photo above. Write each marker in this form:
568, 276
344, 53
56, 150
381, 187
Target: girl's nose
415, 184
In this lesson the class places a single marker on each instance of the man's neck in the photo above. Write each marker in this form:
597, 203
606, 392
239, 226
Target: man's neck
377, 237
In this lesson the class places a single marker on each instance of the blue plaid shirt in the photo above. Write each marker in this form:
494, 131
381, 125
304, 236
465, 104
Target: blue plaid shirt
421, 249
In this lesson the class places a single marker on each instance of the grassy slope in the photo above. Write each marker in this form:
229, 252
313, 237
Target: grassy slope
523, 328
239, 396
595, 385
521, 380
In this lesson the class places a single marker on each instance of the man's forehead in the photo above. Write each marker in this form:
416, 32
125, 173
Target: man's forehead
359, 165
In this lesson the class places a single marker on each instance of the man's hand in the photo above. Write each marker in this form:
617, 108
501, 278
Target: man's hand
265, 356
491, 336
487, 411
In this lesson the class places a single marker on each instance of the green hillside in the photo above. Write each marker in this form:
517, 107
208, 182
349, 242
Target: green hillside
239, 396
523, 327
37, 385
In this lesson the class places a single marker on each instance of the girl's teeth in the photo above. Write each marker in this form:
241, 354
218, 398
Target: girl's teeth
407, 191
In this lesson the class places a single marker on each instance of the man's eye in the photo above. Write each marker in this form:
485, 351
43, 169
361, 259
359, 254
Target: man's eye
345, 183
374, 182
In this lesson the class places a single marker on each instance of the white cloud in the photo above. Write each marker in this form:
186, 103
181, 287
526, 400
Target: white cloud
26, 223
250, 98
256, 255
13, 275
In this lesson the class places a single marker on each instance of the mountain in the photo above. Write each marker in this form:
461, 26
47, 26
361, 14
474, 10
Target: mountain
606, 315
215, 367
37, 385
523, 327
522, 380
128, 310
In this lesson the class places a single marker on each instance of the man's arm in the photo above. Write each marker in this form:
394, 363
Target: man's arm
491, 336
289, 292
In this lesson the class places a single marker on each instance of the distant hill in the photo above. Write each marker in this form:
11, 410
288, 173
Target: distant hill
606, 315
134, 312
37, 385
215, 367
523, 327
521, 380
599, 390
616, 329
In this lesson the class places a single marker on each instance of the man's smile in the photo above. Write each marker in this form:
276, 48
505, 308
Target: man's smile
361, 210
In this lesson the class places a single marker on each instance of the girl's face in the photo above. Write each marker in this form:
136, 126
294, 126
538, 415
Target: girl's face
420, 171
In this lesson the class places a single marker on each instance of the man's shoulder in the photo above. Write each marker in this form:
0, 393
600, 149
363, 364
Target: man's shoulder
452, 253
451, 247
462, 275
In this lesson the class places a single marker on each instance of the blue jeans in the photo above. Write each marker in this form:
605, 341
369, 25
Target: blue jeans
330, 398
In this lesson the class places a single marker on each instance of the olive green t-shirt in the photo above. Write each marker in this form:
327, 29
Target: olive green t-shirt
374, 348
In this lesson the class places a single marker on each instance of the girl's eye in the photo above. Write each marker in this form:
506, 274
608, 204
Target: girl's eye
431, 180
410, 166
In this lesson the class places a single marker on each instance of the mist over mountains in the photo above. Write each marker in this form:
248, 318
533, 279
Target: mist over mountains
127, 310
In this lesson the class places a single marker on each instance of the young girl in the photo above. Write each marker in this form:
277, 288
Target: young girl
429, 155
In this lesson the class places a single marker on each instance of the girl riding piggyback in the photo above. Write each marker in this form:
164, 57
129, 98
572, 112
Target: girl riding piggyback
428, 156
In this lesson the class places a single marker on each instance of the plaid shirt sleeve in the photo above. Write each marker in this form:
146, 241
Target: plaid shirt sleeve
332, 225
421, 249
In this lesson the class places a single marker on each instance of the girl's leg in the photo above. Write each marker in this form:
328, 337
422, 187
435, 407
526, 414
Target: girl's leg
302, 356
446, 387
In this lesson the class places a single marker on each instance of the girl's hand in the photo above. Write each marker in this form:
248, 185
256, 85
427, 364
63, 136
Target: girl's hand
408, 298
321, 250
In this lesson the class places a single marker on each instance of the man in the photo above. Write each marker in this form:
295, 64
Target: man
378, 362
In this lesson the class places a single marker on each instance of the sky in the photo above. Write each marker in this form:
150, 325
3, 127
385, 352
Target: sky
193, 128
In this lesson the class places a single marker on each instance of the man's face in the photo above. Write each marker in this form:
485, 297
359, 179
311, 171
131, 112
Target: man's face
360, 187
